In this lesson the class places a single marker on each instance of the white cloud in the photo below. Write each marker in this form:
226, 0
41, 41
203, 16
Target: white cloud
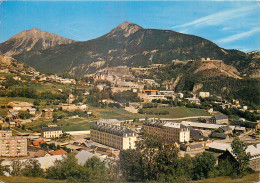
219, 18
239, 36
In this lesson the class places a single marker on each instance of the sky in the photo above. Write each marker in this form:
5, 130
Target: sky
229, 24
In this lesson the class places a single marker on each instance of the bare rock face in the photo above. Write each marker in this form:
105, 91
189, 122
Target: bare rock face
125, 29
33, 39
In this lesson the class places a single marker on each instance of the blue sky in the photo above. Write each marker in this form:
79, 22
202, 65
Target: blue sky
230, 24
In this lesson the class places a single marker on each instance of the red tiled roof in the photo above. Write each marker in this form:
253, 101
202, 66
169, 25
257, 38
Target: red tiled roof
38, 142
58, 152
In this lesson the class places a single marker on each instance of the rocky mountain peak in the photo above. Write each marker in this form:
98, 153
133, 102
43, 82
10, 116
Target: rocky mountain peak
33, 39
125, 29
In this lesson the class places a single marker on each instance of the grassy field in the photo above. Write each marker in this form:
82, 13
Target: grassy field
6, 100
255, 177
76, 124
174, 112
54, 87
67, 124
26, 179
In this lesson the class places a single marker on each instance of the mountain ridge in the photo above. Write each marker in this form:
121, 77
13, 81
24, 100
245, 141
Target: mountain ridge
131, 45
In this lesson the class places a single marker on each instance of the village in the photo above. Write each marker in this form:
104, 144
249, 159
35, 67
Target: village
209, 130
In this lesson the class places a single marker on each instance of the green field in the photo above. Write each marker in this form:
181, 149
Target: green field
6, 100
67, 124
54, 86
76, 124
27, 179
174, 112
254, 177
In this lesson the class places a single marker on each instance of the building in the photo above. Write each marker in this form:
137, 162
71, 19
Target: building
58, 152
179, 95
113, 136
150, 92
192, 100
47, 113
254, 150
12, 146
20, 106
206, 126
52, 131
203, 94
31, 111
172, 132
114, 122
219, 119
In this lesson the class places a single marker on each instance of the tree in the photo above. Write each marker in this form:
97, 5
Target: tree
97, 169
68, 169
2, 168
204, 164
241, 156
32, 168
16, 168
55, 116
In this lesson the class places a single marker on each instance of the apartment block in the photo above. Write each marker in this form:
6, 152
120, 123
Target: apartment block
113, 136
12, 146
172, 132
52, 131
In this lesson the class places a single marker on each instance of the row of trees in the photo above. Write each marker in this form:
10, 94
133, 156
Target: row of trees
152, 160
94, 170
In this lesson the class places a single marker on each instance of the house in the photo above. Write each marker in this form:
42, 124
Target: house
150, 92
31, 111
254, 150
12, 124
196, 135
20, 106
47, 113
191, 147
38, 142
226, 129
210, 111
219, 135
179, 95
58, 152
203, 94
52, 131
219, 119
70, 99
88, 143
40, 153
192, 100
84, 155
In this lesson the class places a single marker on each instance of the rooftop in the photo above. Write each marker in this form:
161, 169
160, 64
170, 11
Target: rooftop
159, 123
120, 131
57, 128
221, 116
58, 152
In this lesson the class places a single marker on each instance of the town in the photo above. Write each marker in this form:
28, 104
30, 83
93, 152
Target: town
129, 91
46, 116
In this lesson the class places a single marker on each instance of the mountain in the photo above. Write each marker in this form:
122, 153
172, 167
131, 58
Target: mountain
31, 40
254, 67
129, 45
